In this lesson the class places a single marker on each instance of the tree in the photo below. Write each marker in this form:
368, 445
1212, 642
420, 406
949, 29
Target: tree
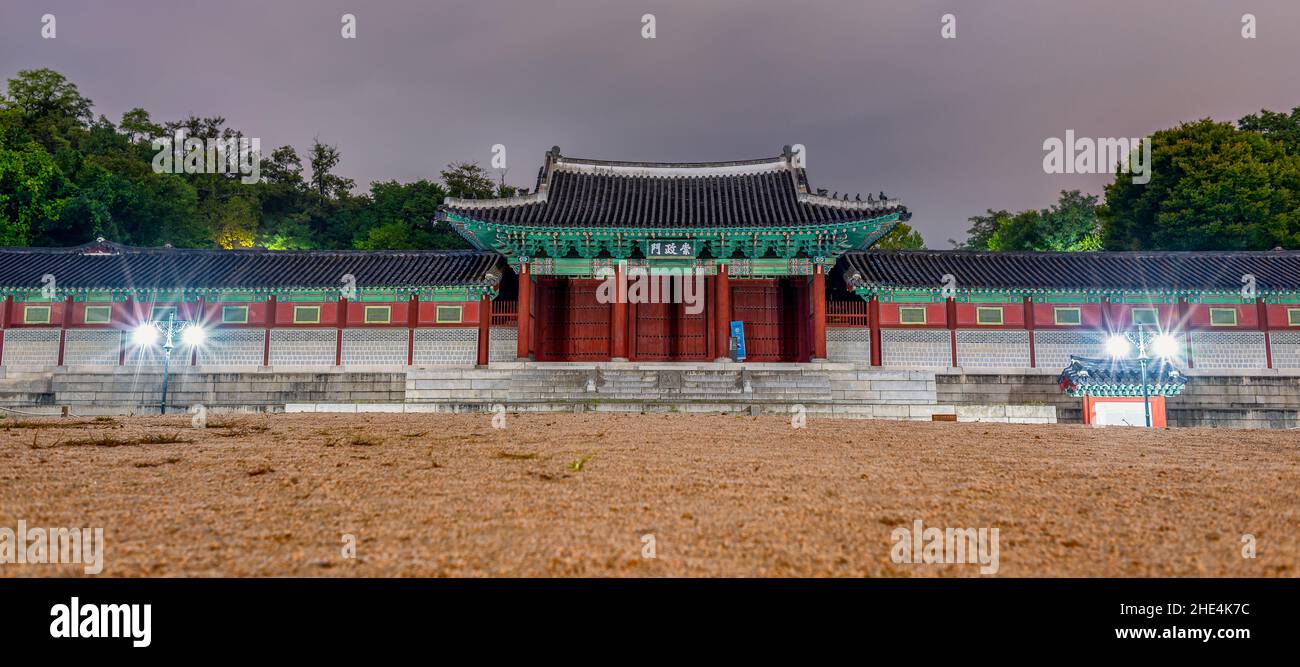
234, 223
139, 127
38, 93
901, 237
982, 228
1280, 127
467, 180
1213, 187
1069, 225
31, 192
323, 159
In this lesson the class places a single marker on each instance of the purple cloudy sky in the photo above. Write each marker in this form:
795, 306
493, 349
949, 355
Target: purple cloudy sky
880, 100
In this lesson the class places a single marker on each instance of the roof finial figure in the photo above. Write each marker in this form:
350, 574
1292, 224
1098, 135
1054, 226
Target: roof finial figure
883, 197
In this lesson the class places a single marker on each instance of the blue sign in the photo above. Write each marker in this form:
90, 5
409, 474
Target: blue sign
738, 334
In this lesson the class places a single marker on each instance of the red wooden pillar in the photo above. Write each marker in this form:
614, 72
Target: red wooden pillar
1029, 326
198, 319
950, 314
710, 318
484, 328
1185, 319
723, 313
523, 311
1261, 313
819, 312
618, 319
412, 319
338, 337
63, 326
270, 324
6, 312
131, 321
873, 321
631, 331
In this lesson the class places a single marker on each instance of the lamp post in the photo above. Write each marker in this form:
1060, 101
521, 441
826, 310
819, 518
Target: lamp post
190, 334
1142, 361
1161, 344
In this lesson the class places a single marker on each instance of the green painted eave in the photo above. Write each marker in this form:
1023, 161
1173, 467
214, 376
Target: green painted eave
822, 242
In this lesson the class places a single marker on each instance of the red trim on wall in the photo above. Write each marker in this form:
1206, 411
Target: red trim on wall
484, 328
272, 304
338, 339
1261, 314
412, 318
1029, 326
1187, 330
950, 315
63, 326
873, 322
6, 312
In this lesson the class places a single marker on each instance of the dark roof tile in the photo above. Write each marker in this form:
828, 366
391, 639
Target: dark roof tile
108, 265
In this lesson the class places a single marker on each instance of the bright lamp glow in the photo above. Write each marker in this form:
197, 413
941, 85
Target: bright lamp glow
193, 335
1164, 346
145, 335
1118, 346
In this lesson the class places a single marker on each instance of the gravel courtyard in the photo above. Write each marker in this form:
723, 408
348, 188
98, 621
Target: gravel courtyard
652, 495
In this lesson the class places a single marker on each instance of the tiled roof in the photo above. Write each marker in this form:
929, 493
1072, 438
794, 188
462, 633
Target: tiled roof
1272, 270
108, 265
1110, 377
601, 193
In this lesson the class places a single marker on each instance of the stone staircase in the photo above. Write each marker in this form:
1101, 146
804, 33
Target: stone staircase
827, 388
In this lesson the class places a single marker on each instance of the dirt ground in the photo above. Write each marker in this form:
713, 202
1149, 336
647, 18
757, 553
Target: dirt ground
576, 495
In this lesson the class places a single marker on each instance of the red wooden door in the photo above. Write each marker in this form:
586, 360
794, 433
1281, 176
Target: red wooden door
575, 325
667, 332
769, 309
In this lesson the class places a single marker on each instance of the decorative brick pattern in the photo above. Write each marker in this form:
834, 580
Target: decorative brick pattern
993, 349
1286, 349
848, 344
91, 347
233, 347
921, 348
1052, 349
446, 346
31, 348
376, 347
303, 347
503, 344
1228, 349
137, 357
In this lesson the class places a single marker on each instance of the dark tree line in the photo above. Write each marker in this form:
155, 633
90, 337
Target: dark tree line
67, 176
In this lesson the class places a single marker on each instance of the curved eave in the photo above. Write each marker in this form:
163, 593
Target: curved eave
455, 219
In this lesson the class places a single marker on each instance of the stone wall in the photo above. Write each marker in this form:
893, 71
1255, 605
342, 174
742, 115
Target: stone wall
113, 391
1234, 401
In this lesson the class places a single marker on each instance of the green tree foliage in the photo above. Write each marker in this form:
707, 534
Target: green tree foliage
1069, 225
32, 192
901, 237
67, 177
1213, 187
